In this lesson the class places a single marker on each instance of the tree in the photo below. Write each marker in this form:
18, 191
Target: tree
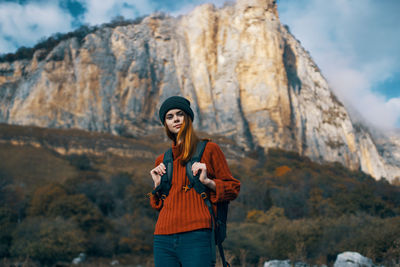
79, 209
48, 240
43, 197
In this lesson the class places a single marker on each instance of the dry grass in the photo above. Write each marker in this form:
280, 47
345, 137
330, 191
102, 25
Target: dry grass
29, 166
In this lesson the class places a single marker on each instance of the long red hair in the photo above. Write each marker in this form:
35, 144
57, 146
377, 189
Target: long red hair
186, 137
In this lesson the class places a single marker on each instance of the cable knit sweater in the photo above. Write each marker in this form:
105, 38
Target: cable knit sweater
186, 211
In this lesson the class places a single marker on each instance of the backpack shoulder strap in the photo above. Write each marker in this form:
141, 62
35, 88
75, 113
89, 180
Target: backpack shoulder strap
202, 190
199, 150
194, 180
166, 180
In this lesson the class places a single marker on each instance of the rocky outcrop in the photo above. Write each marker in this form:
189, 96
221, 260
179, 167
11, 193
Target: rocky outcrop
248, 78
352, 259
284, 263
345, 259
78, 142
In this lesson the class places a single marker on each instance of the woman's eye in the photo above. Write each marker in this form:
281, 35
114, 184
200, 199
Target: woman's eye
170, 116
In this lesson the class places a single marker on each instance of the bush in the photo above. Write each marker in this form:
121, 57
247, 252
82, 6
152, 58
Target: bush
81, 162
48, 240
43, 197
7, 225
288, 207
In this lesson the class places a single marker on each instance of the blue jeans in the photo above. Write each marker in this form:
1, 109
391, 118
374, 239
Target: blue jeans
188, 249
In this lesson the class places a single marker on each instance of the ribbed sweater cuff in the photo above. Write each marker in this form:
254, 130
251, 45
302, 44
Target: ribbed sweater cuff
219, 193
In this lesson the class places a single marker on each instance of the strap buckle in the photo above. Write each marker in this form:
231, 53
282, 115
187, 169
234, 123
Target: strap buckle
163, 196
203, 195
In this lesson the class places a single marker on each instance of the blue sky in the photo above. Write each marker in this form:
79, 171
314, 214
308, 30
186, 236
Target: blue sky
356, 43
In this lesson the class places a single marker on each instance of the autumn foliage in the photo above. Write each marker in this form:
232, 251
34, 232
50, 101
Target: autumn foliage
288, 207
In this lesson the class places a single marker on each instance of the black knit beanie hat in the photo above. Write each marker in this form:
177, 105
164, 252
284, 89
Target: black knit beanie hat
175, 102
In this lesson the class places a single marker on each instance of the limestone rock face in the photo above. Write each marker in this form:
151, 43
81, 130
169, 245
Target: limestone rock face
247, 77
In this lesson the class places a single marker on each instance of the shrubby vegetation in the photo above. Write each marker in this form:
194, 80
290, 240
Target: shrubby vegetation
47, 44
289, 207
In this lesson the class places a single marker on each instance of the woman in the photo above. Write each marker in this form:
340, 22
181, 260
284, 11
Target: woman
182, 236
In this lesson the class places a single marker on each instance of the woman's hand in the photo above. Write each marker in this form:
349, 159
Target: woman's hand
156, 174
202, 168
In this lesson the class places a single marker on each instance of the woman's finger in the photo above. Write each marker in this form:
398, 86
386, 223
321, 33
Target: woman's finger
196, 167
160, 168
199, 166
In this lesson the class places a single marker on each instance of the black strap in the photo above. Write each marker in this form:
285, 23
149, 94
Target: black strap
213, 240
194, 180
203, 190
166, 180
199, 150
221, 253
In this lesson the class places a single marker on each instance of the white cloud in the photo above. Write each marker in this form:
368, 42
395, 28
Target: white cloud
24, 25
394, 105
100, 12
103, 11
356, 45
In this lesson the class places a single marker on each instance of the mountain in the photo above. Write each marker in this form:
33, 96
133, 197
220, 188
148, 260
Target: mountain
247, 76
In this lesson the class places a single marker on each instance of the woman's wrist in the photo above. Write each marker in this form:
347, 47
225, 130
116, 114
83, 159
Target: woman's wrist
210, 183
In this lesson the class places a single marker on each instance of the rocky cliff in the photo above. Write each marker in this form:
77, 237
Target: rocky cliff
248, 79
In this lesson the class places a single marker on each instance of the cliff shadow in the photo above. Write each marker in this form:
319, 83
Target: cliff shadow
289, 60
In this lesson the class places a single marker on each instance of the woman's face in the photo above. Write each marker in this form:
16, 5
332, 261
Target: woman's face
174, 120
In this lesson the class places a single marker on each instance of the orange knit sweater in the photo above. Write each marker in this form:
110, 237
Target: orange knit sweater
186, 211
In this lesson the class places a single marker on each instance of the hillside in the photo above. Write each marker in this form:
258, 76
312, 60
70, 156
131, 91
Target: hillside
289, 206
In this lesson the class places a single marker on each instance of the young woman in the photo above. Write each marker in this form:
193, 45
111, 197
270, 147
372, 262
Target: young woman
182, 236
